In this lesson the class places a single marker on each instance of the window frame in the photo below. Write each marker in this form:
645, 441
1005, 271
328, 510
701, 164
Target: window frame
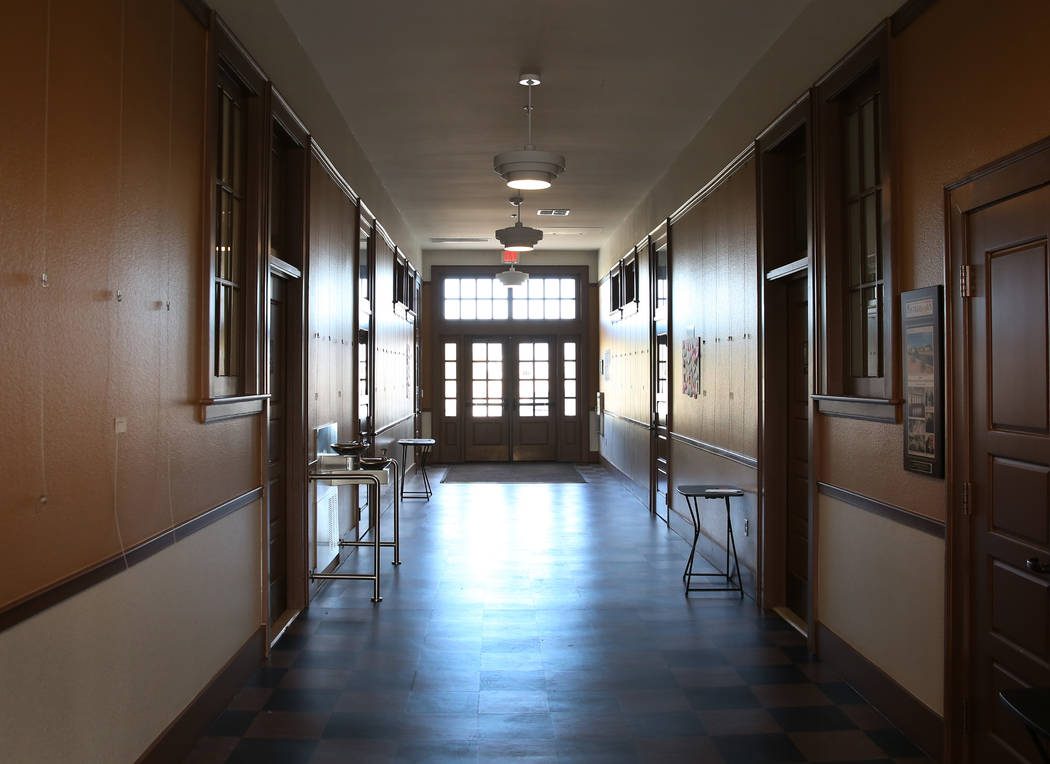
404, 282
839, 391
221, 398
623, 283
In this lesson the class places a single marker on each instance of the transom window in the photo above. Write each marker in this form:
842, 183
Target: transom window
485, 299
534, 379
486, 398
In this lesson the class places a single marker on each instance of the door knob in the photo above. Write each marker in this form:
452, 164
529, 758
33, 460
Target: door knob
1033, 564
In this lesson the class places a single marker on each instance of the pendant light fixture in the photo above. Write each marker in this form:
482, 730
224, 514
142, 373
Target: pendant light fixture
518, 237
529, 169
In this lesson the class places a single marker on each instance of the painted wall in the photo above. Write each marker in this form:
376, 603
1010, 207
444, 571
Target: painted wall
99, 677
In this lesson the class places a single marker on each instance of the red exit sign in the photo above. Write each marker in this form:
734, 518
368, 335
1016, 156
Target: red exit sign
510, 257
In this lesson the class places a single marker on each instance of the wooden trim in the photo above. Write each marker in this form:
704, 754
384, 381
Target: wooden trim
26, 608
712, 185
175, 743
798, 266
869, 409
892, 512
395, 423
908, 13
284, 268
288, 119
725, 453
330, 168
219, 409
199, 10
629, 419
921, 725
1002, 178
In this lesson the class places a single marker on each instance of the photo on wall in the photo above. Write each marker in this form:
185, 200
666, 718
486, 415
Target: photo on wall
923, 380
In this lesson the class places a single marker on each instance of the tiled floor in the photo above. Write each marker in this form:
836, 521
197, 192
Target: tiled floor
542, 623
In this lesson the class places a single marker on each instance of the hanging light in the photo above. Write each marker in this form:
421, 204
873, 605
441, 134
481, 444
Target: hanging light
529, 169
512, 278
518, 237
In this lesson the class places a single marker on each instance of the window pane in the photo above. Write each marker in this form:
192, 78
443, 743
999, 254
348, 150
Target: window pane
525, 351
542, 411
868, 116
535, 309
570, 407
570, 388
535, 288
499, 310
541, 351
568, 309
542, 371
871, 237
450, 388
452, 309
495, 389
484, 288
451, 287
854, 238
852, 160
526, 389
450, 351
542, 388
484, 310
478, 411
551, 309
568, 289
450, 369
450, 407
479, 370
521, 309
479, 389
478, 351
466, 288
525, 410
495, 351
570, 369
495, 370
570, 351
525, 370
550, 288
496, 411
468, 310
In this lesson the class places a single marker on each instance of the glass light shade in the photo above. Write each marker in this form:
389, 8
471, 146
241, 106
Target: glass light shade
528, 183
529, 169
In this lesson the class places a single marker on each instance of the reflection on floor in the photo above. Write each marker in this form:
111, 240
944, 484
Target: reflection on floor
542, 623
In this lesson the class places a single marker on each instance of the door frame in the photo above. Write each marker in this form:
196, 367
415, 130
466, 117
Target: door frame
659, 319
297, 581
1017, 173
439, 330
774, 272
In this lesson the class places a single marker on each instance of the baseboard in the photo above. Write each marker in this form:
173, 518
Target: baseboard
176, 742
639, 492
922, 726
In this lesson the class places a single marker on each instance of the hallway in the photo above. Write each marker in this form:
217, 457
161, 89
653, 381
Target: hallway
542, 623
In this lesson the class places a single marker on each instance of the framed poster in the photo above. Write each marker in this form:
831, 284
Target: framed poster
922, 378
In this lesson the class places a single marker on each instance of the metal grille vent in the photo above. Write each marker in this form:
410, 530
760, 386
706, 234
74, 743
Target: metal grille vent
557, 213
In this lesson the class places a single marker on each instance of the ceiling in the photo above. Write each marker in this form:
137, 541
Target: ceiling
430, 91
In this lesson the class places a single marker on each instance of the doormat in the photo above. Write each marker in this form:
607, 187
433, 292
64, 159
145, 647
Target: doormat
513, 472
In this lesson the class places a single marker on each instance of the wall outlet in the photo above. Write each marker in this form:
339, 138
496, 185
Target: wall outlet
747, 527
120, 424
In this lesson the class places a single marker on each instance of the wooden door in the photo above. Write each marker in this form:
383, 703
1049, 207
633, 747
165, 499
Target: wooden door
661, 433
1009, 446
485, 413
796, 553
277, 449
533, 425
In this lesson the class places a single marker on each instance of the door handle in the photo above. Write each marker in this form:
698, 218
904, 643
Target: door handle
1034, 565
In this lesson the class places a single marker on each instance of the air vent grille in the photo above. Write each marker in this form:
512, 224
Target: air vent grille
557, 213
458, 240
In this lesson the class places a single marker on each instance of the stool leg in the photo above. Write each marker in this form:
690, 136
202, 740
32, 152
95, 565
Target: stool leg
423, 469
404, 458
736, 560
376, 596
397, 516
695, 516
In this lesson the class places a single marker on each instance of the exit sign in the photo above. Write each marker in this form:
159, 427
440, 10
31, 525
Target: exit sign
510, 257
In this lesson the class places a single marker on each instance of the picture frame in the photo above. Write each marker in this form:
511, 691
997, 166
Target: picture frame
922, 380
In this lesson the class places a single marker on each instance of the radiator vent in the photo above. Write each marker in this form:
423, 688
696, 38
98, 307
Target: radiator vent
557, 213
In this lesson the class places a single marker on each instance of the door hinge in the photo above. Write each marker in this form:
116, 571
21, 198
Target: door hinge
966, 280
967, 498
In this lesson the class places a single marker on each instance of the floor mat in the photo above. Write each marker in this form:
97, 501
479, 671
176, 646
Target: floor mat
520, 472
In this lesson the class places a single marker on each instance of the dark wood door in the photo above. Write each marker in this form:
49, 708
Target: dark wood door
1009, 428
276, 458
485, 415
796, 554
533, 425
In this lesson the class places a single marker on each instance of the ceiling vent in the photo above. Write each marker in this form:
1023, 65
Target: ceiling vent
554, 213
458, 240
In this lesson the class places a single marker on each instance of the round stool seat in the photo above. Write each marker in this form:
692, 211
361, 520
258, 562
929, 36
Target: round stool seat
417, 442
710, 491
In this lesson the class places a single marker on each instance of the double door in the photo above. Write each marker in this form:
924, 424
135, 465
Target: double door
509, 393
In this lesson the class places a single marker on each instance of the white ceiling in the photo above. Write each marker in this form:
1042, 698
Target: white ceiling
429, 89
